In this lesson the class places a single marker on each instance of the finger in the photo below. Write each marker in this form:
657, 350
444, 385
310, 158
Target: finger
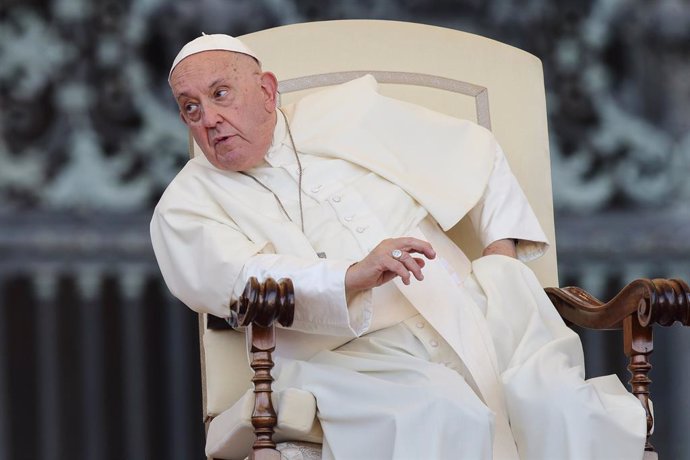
409, 265
399, 269
412, 265
415, 245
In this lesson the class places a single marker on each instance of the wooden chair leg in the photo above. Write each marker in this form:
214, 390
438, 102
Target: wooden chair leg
638, 345
264, 417
259, 307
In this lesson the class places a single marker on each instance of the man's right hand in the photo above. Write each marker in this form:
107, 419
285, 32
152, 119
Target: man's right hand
380, 265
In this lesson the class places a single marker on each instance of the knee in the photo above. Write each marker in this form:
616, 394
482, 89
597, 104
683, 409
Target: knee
557, 394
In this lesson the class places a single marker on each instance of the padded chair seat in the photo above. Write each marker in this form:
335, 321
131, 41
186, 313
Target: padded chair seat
300, 451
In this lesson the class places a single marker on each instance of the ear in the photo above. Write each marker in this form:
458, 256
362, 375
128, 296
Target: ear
269, 86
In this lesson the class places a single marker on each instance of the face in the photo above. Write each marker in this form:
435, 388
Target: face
229, 106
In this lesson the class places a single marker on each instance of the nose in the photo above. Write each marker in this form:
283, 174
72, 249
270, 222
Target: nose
210, 117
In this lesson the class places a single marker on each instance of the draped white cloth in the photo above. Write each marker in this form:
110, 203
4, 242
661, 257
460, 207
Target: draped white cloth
512, 381
404, 404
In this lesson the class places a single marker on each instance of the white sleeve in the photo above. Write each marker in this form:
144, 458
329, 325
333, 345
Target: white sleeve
320, 303
206, 261
504, 212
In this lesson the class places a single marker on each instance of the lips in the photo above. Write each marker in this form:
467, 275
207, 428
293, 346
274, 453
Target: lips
219, 139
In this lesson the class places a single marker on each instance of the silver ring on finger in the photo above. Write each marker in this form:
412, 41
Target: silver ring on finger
396, 254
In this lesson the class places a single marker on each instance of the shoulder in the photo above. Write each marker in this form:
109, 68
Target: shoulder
190, 187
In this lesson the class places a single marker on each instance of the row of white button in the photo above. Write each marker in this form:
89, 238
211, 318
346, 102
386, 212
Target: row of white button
338, 199
432, 342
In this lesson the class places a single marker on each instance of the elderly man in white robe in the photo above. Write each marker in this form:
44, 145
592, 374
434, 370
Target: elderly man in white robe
411, 350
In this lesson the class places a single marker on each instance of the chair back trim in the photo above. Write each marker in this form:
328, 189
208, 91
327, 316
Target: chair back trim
479, 93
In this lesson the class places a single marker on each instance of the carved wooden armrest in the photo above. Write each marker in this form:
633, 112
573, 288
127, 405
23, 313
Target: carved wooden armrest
635, 309
258, 309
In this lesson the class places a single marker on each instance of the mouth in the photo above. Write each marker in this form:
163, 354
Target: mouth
220, 139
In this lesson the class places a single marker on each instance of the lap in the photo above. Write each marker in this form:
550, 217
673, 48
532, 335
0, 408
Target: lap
385, 358
383, 384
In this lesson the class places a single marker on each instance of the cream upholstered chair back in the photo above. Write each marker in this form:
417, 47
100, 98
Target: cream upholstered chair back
497, 86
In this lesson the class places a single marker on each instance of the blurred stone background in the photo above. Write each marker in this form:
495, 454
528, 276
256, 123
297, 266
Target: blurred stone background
98, 361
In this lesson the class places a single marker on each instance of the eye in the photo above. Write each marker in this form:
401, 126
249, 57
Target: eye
222, 92
191, 110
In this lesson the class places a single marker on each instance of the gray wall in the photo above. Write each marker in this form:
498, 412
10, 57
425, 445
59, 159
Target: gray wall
98, 361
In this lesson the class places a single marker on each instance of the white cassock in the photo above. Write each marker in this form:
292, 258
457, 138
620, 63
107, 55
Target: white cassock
473, 362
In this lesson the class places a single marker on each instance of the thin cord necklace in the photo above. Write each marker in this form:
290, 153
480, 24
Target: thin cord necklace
299, 178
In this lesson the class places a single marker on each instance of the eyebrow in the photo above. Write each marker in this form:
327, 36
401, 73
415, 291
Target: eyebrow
214, 83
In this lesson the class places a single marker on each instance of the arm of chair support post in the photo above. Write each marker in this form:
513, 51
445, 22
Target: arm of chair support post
658, 301
259, 307
635, 309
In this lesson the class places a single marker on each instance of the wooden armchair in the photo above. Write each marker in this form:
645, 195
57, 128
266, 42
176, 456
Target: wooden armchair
636, 309
464, 75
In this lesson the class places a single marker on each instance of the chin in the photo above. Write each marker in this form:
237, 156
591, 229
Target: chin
238, 159
227, 161
232, 163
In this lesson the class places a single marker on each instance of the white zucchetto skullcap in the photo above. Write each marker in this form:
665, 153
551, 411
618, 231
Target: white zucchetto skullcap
210, 43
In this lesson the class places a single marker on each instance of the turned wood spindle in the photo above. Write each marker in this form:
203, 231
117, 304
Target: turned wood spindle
638, 345
259, 307
264, 418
